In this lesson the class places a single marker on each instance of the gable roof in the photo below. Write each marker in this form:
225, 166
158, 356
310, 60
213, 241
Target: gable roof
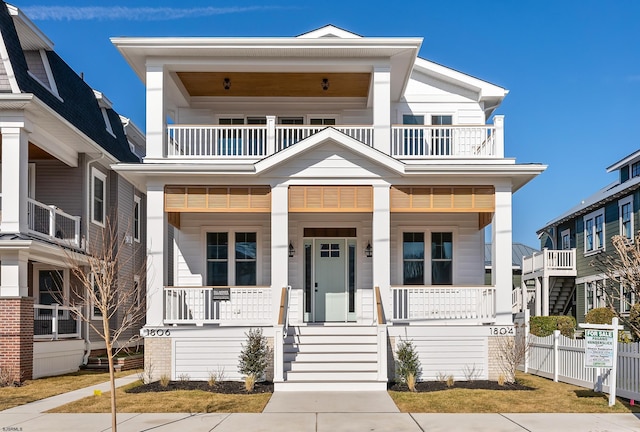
76, 101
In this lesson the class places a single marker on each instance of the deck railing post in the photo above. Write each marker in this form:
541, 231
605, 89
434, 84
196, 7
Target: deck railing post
54, 321
498, 122
556, 339
271, 135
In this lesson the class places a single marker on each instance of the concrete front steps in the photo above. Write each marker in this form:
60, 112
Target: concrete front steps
330, 357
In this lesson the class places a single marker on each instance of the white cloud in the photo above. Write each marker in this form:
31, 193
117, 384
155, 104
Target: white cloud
85, 13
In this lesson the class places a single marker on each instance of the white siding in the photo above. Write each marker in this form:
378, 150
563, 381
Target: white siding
468, 252
189, 265
197, 358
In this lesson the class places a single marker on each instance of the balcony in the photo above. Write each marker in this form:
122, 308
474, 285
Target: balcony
55, 322
255, 142
49, 222
549, 263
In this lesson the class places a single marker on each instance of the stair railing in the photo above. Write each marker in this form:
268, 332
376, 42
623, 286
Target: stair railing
278, 340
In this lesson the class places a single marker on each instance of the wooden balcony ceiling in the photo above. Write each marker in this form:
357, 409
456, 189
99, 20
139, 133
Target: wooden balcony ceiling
35, 153
276, 84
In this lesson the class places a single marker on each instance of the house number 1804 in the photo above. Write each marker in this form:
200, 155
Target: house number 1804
502, 331
155, 332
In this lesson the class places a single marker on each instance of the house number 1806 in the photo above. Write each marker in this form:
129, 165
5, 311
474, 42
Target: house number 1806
155, 332
501, 331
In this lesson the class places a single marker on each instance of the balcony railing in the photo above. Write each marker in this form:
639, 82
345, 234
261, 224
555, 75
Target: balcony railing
440, 303
55, 322
211, 305
259, 141
550, 261
51, 222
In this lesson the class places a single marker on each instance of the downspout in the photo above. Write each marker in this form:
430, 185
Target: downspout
87, 216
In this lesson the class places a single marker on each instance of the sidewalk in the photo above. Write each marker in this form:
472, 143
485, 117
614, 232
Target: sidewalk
302, 412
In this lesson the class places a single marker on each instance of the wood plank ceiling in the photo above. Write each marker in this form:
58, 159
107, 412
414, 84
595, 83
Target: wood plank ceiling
276, 84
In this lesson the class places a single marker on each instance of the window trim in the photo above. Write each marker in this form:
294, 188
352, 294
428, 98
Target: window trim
96, 173
563, 234
231, 257
137, 224
593, 216
37, 268
622, 203
427, 231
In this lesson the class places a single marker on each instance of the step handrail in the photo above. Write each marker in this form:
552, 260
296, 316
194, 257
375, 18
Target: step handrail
379, 310
283, 317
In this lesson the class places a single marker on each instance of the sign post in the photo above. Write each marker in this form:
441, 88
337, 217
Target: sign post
602, 351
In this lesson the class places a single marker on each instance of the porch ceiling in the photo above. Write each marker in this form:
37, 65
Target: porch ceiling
276, 84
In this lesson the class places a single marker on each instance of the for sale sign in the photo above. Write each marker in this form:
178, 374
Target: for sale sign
599, 348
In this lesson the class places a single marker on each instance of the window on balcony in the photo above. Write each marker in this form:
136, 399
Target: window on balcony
565, 239
594, 231
413, 137
239, 268
415, 258
322, 121
51, 287
625, 211
441, 258
98, 195
441, 136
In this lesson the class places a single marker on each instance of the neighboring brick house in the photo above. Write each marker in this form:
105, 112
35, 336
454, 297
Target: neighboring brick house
58, 139
564, 277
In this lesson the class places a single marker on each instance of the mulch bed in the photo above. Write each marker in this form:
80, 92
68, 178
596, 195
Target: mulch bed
225, 387
431, 386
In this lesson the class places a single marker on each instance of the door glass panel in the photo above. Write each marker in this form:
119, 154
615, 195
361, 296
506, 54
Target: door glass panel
352, 277
307, 277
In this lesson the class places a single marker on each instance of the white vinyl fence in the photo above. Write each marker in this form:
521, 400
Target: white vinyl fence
562, 359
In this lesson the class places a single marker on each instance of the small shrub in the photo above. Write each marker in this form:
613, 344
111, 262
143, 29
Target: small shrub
407, 363
146, 375
501, 379
249, 382
184, 377
441, 377
601, 315
8, 378
411, 382
164, 380
254, 357
450, 381
543, 326
213, 379
471, 373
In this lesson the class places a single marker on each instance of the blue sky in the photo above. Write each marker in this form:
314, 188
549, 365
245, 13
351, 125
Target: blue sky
572, 67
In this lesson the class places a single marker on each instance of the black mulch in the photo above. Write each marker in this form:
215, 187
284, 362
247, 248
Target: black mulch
226, 387
431, 386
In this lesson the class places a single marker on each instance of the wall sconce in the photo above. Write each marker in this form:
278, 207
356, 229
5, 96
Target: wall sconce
368, 251
292, 251
226, 83
325, 84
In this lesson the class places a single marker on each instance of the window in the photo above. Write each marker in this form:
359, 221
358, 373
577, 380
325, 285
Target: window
98, 194
136, 218
635, 169
40, 70
565, 239
137, 291
441, 136
627, 298
413, 258
441, 258
624, 173
51, 287
96, 313
330, 250
291, 120
322, 121
594, 231
625, 208
107, 122
239, 268
413, 136
594, 295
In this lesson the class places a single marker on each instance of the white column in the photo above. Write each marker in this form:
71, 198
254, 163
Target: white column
156, 239
13, 274
545, 296
156, 121
538, 297
498, 122
501, 253
525, 295
382, 108
279, 244
15, 168
380, 242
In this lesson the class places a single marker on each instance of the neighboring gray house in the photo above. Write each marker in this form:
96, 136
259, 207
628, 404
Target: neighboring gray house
518, 252
59, 138
580, 236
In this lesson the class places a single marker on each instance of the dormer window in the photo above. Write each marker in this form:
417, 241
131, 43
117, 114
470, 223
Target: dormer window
107, 122
40, 70
104, 105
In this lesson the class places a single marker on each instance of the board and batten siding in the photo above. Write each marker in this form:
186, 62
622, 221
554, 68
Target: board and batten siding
189, 241
468, 248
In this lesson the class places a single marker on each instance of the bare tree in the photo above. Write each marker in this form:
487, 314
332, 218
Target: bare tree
106, 295
512, 352
622, 270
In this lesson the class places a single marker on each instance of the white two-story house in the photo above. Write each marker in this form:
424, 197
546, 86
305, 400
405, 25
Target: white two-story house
331, 189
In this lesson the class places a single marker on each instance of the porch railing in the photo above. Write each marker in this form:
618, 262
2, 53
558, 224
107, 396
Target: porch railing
550, 260
443, 141
55, 322
204, 305
437, 303
50, 221
259, 141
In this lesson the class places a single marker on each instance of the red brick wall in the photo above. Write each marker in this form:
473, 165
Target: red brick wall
16, 336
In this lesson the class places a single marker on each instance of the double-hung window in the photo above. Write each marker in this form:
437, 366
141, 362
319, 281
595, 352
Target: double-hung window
594, 295
236, 268
627, 298
98, 195
565, 239
441, 258
594, 231
413, 258
422, 266
625, 207
136, 218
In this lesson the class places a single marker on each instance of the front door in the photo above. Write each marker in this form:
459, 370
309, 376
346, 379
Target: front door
330, 296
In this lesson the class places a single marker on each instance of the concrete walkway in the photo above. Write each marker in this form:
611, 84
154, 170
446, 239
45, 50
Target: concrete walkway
302, 412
